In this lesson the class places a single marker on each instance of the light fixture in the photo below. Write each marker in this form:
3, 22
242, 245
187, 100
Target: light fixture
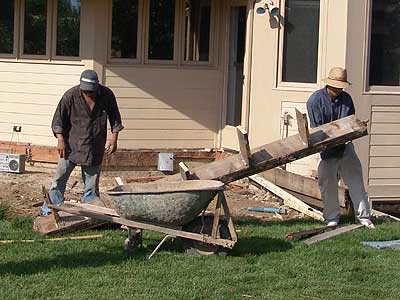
269, 5
273, 9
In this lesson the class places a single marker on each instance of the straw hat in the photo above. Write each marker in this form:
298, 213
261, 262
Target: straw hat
337, 78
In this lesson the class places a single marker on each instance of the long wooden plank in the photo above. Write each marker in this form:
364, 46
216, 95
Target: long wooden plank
300, 184
281, 152
145, 226
327, 235
288, 199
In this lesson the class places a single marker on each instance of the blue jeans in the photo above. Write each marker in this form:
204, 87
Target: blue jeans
90, 177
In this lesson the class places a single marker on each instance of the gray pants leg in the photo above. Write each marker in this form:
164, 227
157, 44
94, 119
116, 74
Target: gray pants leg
328, 185
350, 170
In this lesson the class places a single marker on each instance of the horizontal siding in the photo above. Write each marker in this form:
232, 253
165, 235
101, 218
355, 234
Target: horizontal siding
306, 166
384, 153
166, 108
29, 94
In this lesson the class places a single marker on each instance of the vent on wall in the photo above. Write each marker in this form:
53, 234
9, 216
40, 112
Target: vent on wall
14, 163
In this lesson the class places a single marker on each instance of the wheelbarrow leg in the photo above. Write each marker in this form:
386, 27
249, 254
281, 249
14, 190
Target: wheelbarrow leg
160, 244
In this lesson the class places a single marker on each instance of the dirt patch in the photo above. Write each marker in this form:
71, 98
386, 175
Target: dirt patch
22, 193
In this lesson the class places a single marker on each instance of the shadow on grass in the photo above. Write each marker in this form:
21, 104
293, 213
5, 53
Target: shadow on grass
82, 259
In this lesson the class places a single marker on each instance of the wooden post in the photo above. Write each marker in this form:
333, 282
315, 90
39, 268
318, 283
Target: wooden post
217, 213
244, 145
302, 125
228, 216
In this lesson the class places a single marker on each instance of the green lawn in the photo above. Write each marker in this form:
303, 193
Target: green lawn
262, 266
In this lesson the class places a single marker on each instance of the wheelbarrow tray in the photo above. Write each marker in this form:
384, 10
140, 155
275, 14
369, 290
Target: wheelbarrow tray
173, 203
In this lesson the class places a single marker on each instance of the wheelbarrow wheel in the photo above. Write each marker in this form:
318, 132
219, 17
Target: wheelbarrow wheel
203, 225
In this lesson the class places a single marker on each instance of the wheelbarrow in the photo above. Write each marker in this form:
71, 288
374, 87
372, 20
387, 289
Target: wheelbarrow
175, 208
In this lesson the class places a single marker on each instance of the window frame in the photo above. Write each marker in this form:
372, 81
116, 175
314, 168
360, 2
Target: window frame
298, 86
15, 38
146, 36
367, 88
49, 19
139, 42
212, 41
54, 55
51, 37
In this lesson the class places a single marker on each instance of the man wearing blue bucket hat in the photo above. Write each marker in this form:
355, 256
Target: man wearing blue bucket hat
80, 126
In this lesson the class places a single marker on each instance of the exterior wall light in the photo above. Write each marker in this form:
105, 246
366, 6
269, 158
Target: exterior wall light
269, 5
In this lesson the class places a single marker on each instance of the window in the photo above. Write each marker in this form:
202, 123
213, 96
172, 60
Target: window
124, 32
385, 44
49, 28
300, 44
161, 30
7, 26
197, 30
35, 23
68, 27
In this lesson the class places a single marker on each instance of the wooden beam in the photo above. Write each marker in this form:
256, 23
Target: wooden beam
379, 214
184, 171
327, 235
288, 199
244, 145
300, 184
280, 152
146, 226
71, 238
307, 233
302, 125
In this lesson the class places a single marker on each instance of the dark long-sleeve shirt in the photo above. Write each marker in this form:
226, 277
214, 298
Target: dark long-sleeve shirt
85, 131
321, 110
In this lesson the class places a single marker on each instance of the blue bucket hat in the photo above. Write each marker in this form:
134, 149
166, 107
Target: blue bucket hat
89, 81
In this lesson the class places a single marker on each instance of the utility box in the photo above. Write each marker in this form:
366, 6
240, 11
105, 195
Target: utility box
13, 163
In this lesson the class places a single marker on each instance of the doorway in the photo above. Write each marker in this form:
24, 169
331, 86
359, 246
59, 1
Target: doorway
235, 74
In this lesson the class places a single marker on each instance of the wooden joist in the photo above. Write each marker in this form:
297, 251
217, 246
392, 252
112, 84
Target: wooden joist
300, 184
288, 199
330, 234
302, 125
280, 152
244, 145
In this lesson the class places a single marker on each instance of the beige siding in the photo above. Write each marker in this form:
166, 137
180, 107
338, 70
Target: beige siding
306, 166
166, 108
29, 93
384, 160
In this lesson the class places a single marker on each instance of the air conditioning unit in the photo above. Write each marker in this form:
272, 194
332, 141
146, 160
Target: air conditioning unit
14, 163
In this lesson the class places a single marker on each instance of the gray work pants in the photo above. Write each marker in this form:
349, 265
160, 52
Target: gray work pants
349, 169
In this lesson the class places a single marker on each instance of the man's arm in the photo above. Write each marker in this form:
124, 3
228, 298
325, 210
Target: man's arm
314, 113
114, 117
57, 126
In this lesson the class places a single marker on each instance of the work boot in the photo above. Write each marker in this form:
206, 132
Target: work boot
367, 223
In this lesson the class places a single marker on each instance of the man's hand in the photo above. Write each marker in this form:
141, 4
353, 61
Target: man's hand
111, 145
60, 146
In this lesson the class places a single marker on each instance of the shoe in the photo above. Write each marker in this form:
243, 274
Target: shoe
367, 223
332, 223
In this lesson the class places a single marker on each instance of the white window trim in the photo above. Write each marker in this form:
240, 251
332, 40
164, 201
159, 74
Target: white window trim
367, 88
297, 86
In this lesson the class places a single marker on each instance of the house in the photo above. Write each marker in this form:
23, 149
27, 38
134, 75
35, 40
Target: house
186, 72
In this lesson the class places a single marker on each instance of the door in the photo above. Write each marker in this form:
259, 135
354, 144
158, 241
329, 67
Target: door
235, 100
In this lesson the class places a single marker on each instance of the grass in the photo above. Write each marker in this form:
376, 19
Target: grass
261, 266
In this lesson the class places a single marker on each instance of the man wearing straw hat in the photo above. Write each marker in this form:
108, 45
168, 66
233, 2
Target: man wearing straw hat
326, 105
